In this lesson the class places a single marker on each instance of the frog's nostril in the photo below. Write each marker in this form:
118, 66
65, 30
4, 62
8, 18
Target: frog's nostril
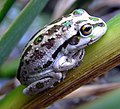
101, 24
91, 40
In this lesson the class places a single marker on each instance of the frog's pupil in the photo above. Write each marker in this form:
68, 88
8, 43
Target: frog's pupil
87, 29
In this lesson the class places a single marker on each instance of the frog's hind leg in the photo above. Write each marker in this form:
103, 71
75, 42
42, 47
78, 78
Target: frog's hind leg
43, 83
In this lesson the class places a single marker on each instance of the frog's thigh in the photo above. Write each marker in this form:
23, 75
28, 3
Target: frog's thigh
47, 81
65, 63
40, 85
44, 74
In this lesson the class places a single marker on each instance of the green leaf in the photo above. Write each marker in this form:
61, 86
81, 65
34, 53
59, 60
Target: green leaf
8, 69
7, 5
19, 27
14, 102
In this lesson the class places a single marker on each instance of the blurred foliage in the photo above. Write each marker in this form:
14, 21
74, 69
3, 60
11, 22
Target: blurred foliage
19, 27
2, 2
108, 101
5, 9
9, 69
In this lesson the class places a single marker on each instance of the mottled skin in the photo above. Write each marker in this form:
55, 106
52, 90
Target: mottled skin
56, 48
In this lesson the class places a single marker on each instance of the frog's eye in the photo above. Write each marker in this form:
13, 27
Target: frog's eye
86, 30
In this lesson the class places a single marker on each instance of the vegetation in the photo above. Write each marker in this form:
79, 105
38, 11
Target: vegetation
102, 56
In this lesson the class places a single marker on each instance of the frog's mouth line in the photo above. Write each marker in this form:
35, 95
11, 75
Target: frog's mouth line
92, 41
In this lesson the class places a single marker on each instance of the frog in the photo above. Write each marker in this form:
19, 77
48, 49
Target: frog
57, 48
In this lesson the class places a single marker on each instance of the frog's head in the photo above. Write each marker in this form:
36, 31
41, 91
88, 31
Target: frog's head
89, 29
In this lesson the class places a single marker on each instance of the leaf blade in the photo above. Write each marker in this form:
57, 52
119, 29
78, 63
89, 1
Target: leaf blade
5, 9
18, 28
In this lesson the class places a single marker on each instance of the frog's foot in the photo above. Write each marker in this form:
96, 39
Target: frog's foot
42, 84
78, 56
64, 63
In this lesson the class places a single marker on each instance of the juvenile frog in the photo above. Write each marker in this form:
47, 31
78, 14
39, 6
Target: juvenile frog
57, 48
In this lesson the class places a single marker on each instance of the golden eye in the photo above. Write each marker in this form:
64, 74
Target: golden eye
86, 30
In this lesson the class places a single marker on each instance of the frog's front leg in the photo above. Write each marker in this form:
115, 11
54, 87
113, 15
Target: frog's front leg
64, 63
47, 81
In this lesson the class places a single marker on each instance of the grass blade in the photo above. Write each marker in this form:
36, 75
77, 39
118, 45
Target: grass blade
7, 5
19, 26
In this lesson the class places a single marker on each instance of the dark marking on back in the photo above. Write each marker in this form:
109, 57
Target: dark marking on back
38, 55
37, 33
47, 64
52, 30
38, 69
49, 44
39, 85
58, 35
38, 39
27, 61
27, 50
